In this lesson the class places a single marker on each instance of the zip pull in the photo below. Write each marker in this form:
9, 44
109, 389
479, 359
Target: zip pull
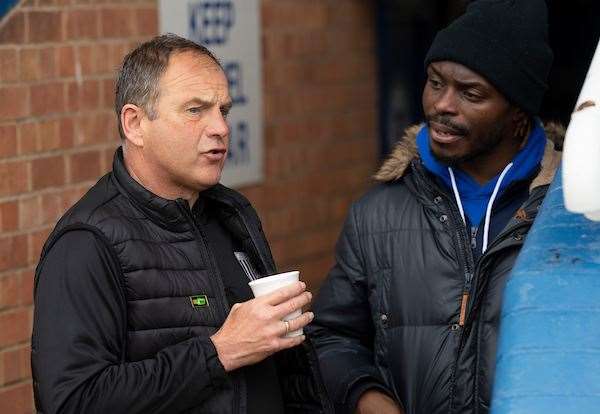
473, 237
463, 309
465, 299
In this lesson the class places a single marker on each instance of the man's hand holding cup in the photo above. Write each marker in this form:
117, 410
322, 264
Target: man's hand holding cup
271, 322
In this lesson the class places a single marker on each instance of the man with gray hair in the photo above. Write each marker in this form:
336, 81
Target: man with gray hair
141, 305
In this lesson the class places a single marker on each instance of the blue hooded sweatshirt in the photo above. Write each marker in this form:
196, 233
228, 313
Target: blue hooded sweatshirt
475, 197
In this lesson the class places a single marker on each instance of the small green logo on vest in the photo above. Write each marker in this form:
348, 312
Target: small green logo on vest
199, 301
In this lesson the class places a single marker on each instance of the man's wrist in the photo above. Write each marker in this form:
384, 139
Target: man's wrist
225, 362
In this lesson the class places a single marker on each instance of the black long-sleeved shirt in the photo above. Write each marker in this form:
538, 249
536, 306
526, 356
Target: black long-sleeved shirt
80, 339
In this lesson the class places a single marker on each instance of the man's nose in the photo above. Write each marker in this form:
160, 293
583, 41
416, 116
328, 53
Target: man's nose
446, 102
218, 125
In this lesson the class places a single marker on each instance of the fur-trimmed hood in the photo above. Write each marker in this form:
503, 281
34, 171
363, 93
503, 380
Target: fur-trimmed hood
406, 150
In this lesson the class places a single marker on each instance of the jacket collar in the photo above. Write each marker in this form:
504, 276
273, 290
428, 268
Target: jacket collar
167, 213
406, 150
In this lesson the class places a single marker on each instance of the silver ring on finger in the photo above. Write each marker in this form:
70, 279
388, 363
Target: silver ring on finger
287, 327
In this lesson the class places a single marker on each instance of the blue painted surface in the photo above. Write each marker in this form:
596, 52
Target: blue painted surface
5, 6
549, 348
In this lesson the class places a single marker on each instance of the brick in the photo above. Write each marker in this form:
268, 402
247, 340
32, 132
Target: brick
73, 195
308, 44
14, 102
65, 57
84, 96
117, 22
15, 178
26, 287
51, 207
30, 215
82, 24
281, 74
9, 65
14, 254
35, 243
66, 131
8, 140
15, 364
107, 159
146, 21
88, 130
356, 13
275, 46
9, 216
48, 134
85, 166
103, 59
30, 64
9, 290
45, 26
108, 93
47, 99
47, 172
27, 138
17, 398
48, 64
84, 57
14, 30
285, 15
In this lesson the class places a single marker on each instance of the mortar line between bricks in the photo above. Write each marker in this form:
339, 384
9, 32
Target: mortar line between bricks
49, 190
7, 272
58, 152
65, 79
15, 346
83, 42
57, 116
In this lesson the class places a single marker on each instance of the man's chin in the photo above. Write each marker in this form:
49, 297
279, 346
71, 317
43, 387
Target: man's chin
451, 160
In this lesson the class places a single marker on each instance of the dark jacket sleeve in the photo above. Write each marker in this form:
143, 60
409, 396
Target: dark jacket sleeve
80, 335
343, 330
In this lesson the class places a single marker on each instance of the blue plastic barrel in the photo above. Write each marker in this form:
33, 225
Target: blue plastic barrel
548, 357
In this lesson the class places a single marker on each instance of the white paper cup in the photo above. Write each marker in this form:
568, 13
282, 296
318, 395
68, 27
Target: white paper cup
266, 285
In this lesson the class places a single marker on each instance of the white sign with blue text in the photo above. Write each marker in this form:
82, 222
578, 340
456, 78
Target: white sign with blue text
231, 30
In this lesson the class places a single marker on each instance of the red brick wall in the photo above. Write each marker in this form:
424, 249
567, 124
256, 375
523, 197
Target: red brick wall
58, 134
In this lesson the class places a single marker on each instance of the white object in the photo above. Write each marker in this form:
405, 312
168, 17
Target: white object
231, 29
266, 285
581, 153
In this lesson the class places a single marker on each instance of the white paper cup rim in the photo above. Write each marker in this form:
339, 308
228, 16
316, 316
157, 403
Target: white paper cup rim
273, 278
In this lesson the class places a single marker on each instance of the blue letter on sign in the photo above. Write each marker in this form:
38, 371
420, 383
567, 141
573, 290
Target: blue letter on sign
239, 144
210, 21
233, 71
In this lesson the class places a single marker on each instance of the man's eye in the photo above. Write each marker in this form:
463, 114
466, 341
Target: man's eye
471, 96
195, 110
224, 112
434, 83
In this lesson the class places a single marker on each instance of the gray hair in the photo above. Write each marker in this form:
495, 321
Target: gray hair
139, 75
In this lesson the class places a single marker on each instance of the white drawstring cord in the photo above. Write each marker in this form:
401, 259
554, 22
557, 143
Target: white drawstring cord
457, 195
488, 212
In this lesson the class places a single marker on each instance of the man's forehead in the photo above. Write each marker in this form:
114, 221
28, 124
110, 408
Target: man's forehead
192, 73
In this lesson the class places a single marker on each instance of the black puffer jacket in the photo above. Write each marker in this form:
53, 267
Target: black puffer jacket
115, 331
388, 314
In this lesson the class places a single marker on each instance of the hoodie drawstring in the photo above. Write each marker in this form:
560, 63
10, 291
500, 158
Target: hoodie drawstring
488, 212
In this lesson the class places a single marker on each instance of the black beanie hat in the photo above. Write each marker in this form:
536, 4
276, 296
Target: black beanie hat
504, 41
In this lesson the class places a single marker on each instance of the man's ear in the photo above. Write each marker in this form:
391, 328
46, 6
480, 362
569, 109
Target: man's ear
522, 125
131, 122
